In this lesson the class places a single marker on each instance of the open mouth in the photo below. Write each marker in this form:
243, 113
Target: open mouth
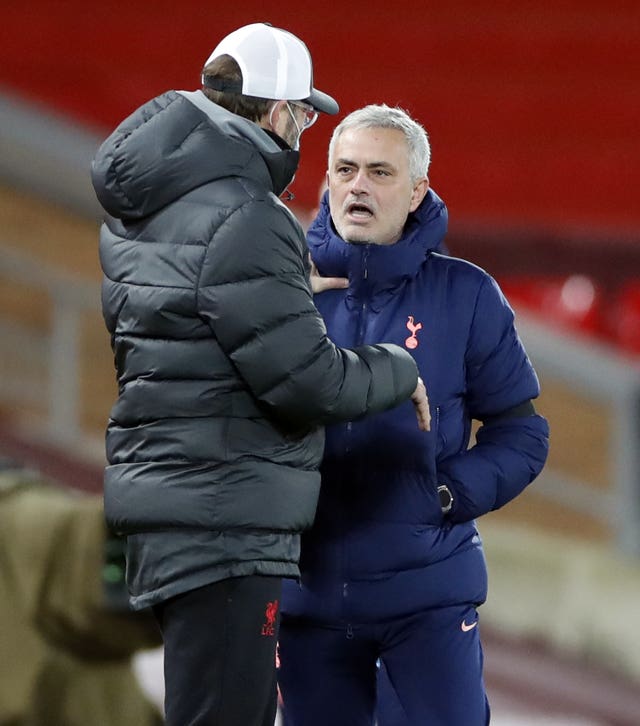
359, 210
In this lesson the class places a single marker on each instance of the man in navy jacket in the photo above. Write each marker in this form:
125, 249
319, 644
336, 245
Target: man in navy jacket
393, 569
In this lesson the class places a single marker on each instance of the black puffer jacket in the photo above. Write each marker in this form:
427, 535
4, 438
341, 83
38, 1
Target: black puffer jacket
225, 371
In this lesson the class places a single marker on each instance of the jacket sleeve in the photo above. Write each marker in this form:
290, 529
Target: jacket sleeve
511, 450
254, 293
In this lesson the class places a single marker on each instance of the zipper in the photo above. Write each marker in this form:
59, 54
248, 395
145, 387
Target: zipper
349, 426
438, 439
347, 444
345, 593
365, 259
363, 306
361, 323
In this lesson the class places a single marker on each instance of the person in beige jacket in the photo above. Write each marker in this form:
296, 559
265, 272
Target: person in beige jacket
67, 636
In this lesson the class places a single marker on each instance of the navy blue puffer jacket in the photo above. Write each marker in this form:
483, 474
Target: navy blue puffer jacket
381, 546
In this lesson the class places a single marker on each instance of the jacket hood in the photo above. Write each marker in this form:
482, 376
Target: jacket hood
386, 265
176, 143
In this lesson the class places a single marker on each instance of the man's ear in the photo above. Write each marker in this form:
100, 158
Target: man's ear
270, 119
420, 189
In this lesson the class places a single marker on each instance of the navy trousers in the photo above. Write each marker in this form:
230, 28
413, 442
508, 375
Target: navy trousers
219, 653
420, 670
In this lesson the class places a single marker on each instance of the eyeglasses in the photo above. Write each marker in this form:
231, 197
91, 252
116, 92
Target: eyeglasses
310, 114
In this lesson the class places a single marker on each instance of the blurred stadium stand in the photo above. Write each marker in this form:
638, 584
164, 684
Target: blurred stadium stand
533, 111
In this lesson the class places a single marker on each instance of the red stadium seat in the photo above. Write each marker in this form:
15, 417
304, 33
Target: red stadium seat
573, 301
625, 317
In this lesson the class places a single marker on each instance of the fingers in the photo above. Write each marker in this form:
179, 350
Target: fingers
424, 416
421, 403
331, 283
319, 283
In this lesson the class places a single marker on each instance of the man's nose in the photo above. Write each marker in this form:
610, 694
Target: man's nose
359, 183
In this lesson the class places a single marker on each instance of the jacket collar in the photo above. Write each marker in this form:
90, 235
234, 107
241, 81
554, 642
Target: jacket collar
375, 271
280, 159
177, 142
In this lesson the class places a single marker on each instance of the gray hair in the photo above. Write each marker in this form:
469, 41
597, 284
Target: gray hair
377, 116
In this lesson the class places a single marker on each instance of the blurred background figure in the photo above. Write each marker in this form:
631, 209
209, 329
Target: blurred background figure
67, 636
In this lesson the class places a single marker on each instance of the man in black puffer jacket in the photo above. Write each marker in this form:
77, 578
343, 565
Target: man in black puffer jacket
226, 375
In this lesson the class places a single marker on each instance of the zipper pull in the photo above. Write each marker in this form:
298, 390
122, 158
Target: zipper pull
365, 263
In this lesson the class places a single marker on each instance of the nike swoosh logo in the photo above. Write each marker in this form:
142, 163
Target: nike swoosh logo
466, 628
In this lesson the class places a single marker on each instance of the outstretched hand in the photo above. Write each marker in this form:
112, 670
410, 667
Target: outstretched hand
421, 402
319, 283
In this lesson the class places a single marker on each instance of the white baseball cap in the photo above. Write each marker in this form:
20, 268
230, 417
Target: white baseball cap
275, 64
